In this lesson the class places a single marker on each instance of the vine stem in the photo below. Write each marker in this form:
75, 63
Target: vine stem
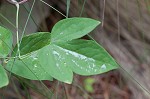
17, 18
14, 1
53, 8
17, 31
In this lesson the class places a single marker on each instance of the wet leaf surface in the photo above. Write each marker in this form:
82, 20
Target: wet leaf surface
28, 67
60, 53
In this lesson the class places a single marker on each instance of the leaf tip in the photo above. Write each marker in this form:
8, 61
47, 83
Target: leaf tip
68, 82
98, 22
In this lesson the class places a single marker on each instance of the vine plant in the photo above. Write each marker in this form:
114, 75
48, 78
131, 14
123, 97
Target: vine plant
59, 54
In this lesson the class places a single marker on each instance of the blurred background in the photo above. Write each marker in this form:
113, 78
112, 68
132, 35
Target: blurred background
124, 33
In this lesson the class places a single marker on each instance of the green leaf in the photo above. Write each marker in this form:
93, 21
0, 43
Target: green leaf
59, 55
33, 42
72, 28
3, 77
86, 57
28, 67
83, 57
55, 64
5, 42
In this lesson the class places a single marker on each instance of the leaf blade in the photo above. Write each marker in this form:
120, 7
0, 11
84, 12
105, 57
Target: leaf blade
72, 28
33, 42
28, 67
60, 55
5, 42
87, 58
52, 62
3, 77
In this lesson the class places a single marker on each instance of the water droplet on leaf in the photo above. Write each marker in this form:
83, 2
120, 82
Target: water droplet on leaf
35, 65
103, 66
61, 33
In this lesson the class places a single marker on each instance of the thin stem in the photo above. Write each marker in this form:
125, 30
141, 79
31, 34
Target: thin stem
82, 89
32, 18
56, 94
23, 1
53, 8
15, 2
7, 20
66, 92
16, 89
82, 8
17, 15
118, 26
68, 6
103, 16
27, 21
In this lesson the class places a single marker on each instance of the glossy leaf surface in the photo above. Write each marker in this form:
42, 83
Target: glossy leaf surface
72, 28
58, 55
86, 57
54, 63
33, 42
83, 57
28, 67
